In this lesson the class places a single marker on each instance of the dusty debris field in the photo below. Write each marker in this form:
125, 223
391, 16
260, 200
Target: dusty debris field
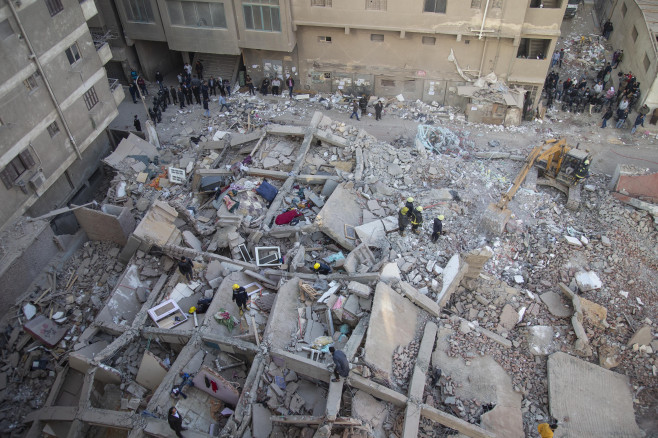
499, 321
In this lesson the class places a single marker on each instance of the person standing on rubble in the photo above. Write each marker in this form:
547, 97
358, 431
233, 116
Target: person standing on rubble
363, 104
223, 103
355, 109
172, 92
403, 219
607, 29
240, 297
410, 206
322, 268
250, 84
290, 83
137, 124
607, 116
417, 219
206, 109
133, 91
186, 267
175, 421
437, 228
342, 366
181, 97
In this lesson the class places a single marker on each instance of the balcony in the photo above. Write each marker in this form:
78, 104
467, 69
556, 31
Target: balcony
88, 9
104, 52
117, 90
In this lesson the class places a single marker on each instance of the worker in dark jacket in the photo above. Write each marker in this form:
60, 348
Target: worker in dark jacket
342, 365
438, 227
582, 172
403, 219
417, 219
322, 268
175, 421
240, 297
186, 267
410, 206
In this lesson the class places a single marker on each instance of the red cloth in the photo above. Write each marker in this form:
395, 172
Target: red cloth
213, 385
285, 218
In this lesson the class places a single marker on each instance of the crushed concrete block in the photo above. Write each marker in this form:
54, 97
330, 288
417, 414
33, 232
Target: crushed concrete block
573, 241
310, 195
641, 337
540, 340
588, 280
555, 305
508, 317
359, 289
45, 331
390, 273
453, 274
192, 241
261, 420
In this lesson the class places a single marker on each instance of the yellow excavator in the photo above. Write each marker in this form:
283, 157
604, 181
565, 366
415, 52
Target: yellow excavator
558, 165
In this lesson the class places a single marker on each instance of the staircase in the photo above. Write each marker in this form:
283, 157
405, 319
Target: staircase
224, 66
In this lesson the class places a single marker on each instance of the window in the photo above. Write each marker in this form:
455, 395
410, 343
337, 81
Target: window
376, 5
324, 3
73, 54
16, 168
5, 30
436, 6
197, 14
624, 9
90, 98
533, 48
388, 83
262, 15
54, 7
324, 39
430, 41
376, 37
31, 83
634, 34
52, 129
139, 11
476, 4
647, 63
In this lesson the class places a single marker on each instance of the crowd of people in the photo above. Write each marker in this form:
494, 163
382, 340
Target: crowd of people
598, 95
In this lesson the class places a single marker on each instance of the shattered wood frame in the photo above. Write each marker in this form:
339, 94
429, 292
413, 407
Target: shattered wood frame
268, 255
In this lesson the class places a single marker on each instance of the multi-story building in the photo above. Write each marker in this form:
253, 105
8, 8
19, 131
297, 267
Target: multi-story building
635, 31
370, 46
55, 103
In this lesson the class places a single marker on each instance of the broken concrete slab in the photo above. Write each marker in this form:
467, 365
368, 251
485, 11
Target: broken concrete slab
210, 382
453, 274
641, 337
45, 330
573, 241
339, 210
359, 289
392, 323
540, 340
390, 273
422, 301
261, 420
151, 371
192, 241
594, 313
555, 305
157, 227
588, 280
132, 145
580, 398
280, 328
369, 410
111, 223
476, 259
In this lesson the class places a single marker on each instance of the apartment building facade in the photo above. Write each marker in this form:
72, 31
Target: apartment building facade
55, 103
423, 49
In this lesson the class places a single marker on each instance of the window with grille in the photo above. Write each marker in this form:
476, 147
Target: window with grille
73, 53
139, 11
31, 83
90, 98
54, 7
430, 41
634, 34
376, 5
324, 39
16, 167
262, 15
436, 6
376, 37
647, 63
323, 3
52, 129
197, 14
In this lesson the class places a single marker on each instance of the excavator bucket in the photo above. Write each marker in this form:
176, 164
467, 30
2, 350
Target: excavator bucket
495, 218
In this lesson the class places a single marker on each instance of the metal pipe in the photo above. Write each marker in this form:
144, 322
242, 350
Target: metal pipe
34, 57
484, 52
484, 18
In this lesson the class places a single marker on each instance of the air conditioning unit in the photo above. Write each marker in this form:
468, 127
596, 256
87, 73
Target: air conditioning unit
38, 180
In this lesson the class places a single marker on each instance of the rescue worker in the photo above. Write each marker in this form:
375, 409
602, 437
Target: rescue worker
240, 297
582, 172
186, 267
403, 219
546, 430
437, 230
410, 205
417, 219
322, 268
342, 365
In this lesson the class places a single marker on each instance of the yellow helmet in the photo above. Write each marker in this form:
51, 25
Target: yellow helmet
192, 309
586, 161
316, 266
404, 210
410, 199
236, 286
419, 208
440, 217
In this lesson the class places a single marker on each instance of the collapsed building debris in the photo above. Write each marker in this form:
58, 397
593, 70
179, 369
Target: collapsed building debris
457, 335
